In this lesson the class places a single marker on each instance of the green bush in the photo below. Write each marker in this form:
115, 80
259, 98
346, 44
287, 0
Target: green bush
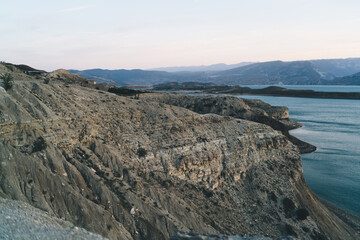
8, 80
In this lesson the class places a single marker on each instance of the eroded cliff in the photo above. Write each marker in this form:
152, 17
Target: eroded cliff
138, 169
255, 110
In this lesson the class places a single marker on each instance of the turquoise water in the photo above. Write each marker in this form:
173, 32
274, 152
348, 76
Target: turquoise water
333, 125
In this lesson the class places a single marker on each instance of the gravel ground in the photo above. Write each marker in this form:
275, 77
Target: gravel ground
19, 220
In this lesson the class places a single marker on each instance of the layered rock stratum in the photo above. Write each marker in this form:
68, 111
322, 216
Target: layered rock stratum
255, 110
139, 169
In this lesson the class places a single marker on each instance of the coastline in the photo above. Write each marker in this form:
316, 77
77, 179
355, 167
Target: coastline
275, 91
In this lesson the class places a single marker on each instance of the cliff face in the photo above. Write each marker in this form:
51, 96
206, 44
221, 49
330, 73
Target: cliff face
255, 110
249, 109
136, 169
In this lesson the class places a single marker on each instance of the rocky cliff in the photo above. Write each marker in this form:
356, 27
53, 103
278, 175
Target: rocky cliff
255, 110
137, 169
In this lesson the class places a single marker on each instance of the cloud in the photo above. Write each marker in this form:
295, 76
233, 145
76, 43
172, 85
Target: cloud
75, 9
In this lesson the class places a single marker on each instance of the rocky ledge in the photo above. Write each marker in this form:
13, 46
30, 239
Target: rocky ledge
140, 169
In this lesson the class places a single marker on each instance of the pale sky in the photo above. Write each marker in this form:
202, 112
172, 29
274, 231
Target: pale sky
83, 34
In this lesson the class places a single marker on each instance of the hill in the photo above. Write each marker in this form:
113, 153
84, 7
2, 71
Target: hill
334, 68
68, 76
124, 77
353, 79
264, 73
203, 68
276, 72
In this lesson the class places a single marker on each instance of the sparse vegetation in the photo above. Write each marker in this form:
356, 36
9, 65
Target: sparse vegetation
141, 152
39, 145
302, 214
124, 91
8, 80
7, 65
289, 207
290, 230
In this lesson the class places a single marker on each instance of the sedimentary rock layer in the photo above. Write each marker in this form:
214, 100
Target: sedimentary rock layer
255, 110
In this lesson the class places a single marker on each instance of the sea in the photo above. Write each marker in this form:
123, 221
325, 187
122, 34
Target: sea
333, 126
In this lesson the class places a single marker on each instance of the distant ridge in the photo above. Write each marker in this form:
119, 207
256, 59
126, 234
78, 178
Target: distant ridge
353, 79
124, 77
276, 72
312, 72
333, 68
203, 68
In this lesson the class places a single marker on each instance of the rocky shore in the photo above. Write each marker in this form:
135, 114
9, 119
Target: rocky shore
129, 168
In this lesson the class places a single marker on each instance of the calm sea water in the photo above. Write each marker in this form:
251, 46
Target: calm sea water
333, 125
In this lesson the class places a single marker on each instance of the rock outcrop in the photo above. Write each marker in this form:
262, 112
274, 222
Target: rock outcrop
138, 169
69, 77
255, 110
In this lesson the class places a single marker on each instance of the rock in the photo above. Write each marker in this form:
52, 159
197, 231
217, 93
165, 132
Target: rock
255, 110
199, 173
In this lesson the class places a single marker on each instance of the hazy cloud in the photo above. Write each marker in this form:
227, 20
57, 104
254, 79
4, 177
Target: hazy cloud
75, 9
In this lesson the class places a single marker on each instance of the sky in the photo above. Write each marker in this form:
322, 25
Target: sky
84, 34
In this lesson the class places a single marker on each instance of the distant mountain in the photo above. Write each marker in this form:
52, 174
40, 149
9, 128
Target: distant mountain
353, 79
203, 68
184, 84
333, 68
124, 77
276, 72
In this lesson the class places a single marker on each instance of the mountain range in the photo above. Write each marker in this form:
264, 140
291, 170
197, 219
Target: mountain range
312, 72
203, 68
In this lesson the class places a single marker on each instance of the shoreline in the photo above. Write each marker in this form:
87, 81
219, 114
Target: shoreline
267, 91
